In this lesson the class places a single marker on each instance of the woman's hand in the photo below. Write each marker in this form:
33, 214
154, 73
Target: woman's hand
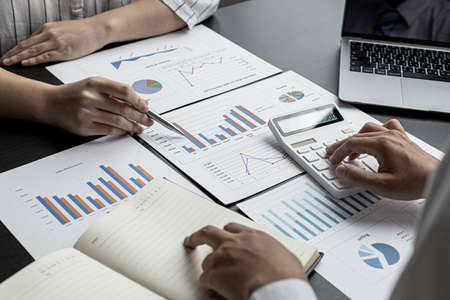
58, 41
96, 106
404, 166
243, 260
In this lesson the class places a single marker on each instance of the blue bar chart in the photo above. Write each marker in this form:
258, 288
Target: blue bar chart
305, 211
239, 119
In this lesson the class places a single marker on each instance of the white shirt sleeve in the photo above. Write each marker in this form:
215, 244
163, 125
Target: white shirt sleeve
193, 11
289, 289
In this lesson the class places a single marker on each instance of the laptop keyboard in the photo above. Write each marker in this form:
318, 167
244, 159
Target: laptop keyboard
397, 61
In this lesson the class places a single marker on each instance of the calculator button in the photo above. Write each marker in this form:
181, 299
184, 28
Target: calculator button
329, 175
316, 147
339, 185
311, 157
347, 130
329, 143
303, 150
371, 163
321, 165
359, 165
322, 153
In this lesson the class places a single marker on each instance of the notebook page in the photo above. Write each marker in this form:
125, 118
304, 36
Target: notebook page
143, 239
70, 274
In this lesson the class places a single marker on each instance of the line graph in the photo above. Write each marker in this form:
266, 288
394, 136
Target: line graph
191, 65
237, 168
184, 73
118, 63
226, 144
211, 70
269, 160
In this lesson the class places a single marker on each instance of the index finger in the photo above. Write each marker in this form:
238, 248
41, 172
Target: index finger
360, 145
368, 129
236, 228
119, 90
394, 124
330, 149
208, 235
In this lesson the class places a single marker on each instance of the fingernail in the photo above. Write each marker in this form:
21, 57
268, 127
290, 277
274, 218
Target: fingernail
149, 122
7, 61
140, 130
332, 159
144, 106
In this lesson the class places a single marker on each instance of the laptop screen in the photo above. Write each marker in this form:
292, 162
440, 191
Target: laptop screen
417, 21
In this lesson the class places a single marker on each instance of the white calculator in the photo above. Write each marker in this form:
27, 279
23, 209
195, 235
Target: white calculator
305, 134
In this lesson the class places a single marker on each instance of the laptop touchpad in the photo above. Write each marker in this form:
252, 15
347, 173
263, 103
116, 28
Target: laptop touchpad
426, 94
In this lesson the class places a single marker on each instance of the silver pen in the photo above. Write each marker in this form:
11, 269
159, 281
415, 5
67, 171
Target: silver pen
156, 117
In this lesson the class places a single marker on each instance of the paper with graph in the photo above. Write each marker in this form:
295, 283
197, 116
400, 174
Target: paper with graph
49, 203
367, 237
172, 70
228, 147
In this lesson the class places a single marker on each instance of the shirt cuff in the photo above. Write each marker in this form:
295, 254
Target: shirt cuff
292, 289
193, 12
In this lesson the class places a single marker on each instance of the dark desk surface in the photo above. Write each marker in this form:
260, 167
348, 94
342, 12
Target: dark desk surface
299, 35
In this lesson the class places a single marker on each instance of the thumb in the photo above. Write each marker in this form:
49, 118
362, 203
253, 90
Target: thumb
356, 176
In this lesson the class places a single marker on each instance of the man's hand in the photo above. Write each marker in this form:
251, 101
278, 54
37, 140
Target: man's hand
57, 41
243, 260
96, 106
404, 166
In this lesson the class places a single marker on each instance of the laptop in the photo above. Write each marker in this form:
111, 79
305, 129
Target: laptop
396, 53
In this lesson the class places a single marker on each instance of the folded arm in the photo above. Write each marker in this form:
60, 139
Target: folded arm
72, 39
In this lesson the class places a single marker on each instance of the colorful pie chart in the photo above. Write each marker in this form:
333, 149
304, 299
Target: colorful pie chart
291, 97
147, 86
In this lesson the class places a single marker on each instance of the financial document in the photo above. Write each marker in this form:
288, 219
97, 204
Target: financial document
367, 240
365, 237
172, 70
49, 203
227, 146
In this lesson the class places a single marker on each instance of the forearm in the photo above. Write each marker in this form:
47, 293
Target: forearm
22, 98
140, 19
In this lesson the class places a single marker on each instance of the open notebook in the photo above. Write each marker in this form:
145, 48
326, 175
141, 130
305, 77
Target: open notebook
136, 252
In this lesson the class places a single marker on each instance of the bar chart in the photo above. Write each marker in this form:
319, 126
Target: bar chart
226, 143
74, 188
303, 210
239, 120
105, 193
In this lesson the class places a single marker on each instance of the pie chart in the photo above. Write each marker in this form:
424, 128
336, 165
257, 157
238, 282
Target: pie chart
147, 86
379, 255
290, 97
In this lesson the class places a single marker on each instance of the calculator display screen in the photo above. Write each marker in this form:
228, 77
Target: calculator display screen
309, 119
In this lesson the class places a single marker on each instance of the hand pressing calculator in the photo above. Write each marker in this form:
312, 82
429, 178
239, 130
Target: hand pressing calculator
305, 134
